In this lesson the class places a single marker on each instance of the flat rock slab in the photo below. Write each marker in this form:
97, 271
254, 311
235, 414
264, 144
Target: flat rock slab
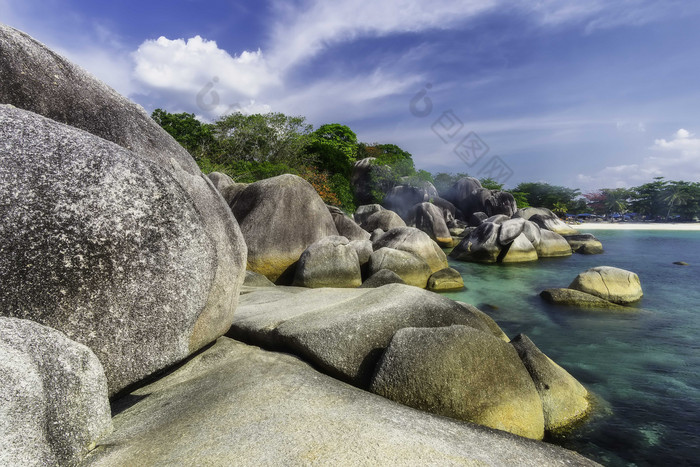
344, 331
238, 405
570, 297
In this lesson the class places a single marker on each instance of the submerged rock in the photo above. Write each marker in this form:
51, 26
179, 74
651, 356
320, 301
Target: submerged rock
552, 245
462, 373
612, 284
570, 297
585, 244
53, 396
564, 399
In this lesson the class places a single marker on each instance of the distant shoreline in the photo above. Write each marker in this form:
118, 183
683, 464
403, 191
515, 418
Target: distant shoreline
636, 226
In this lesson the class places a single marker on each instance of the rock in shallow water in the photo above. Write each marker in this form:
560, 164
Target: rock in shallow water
612, 284
239, 405
570, 297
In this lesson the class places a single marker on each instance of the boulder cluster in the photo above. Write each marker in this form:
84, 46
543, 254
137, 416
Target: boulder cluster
130, 282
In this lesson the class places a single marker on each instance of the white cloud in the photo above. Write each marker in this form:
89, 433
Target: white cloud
683, 145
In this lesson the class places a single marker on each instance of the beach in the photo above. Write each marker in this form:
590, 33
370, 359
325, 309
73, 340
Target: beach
636, 226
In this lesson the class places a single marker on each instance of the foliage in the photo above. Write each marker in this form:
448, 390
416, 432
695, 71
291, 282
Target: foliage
333, 148
491, 184
444, 181
193, 135
271, 137
343, 190
520, 199
322, 183
547, 196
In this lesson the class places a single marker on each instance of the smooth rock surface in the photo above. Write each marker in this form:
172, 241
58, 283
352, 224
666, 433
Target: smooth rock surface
445, 279
409, 267
481, 245
430, 219
400, 199
347, 227
53, 396
546, 219
255, 279
612, 284
462, 373
110, 249
363, 212
519, 250
329, 262
384, 219
413, 241
586, 244
564, 399
280, 217
570, 297
510, 230
239, 405
382, 277
343, 331
552, 245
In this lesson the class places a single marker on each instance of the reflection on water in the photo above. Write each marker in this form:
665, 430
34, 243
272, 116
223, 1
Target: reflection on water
644, 366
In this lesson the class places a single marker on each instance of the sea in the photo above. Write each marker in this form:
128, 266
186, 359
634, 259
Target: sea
641, 365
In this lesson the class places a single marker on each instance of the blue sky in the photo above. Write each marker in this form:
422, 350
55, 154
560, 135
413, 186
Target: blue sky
587, 94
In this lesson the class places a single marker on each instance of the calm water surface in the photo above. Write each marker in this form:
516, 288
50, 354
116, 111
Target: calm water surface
643, 365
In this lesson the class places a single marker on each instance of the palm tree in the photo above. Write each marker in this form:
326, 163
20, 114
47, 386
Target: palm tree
677, 194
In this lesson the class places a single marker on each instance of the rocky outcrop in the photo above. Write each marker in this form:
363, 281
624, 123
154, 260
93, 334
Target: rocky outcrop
409, 267
280, 217
519, 250
110, 248
476, 219
363, 212
382, 277
454, 383
552, 245
344, 331
36, 79
564, 399
226, 400
384, 219
612, 284
361, 180
585, 244
329, 262
347, 227
460, 195
413, 241
430, 219
445, 280
448, 210
546, 219
254, 279
500, 202
401, 199
53, 396
480, 246
226, 186
570, 297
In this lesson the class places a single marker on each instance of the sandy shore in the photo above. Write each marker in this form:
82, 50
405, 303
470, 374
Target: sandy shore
635, 226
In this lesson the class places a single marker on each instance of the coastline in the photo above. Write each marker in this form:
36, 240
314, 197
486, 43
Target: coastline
636, 226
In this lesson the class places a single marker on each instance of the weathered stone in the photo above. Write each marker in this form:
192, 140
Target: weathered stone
519, 250
382, 277
329, 262
500, 202
564, 399
445, 279
570, 297
552, 245
429, 218
53, 396
343, 331
376, 233
384, 219
347, 227
111, 249
460, 194
363, 248
612, 284
280, 217
481, 245
413, 241
585, 244
490, 325
363, 212
546, 219
409, 267
497, 219
226, 400
221, 181
401, 199
364, 179
533, 233
255, 279
476, 219
448, 210
510, 230
463, 373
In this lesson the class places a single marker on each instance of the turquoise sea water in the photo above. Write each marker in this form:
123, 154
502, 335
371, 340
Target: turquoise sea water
643, 365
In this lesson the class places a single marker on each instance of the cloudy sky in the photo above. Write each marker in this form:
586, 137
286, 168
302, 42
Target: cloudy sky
587, 94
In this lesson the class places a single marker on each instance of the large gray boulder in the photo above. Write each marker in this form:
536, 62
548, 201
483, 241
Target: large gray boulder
612, 284
347, 227
463, 373
53, 396
384, 219
519, 250
402, 198
430, 219
412, 269
361, 180
546, 219
552, 245
510, 230
228, 188
110, 248
382, 277
363, 212
448, 210
586, 244
480, 246
460, 195
447, 279
344, 331
238, 405
413, 241
564, 400
280, 217
500, 202
576, 298
329, 262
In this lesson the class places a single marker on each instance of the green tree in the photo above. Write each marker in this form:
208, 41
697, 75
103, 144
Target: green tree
648, 199
491, 184
333, 148
193, 135
540, 194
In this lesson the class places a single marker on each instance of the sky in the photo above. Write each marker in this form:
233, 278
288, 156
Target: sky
586, 94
